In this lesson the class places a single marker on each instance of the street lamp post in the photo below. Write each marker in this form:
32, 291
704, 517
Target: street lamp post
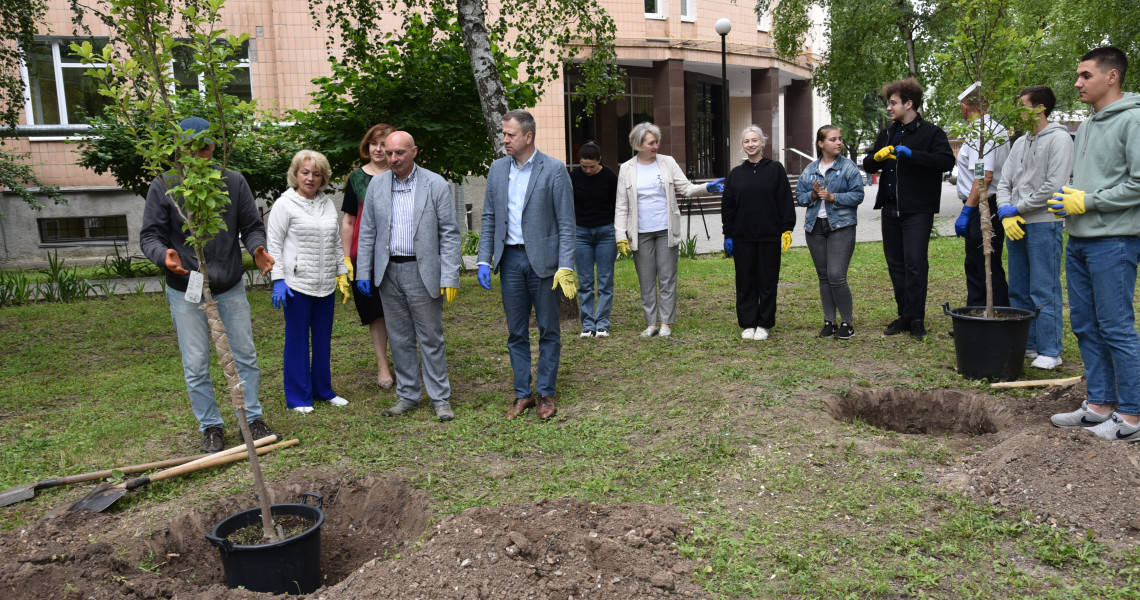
723, 26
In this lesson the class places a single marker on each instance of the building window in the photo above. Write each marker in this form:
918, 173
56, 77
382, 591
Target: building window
59, 91
764, 21
610, 123
655, 9
69, 230
689, 10
185, 79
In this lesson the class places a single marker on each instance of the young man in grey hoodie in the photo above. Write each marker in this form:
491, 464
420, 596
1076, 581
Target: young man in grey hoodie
1102, 207
1038, 165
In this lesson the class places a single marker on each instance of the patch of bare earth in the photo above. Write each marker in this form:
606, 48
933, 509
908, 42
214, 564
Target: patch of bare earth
1015, 458
543, 550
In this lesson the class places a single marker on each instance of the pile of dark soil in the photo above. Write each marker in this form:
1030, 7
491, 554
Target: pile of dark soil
1066, 477
545, 550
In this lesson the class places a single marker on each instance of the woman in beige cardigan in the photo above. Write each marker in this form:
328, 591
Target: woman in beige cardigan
648, 223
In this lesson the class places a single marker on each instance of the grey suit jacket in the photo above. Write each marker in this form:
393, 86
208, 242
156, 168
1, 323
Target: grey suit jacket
548, 226
436, 238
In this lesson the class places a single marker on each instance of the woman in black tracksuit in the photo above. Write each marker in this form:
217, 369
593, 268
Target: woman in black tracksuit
758, 213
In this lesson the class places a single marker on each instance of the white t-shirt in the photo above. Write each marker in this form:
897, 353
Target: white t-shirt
652, 203
994, 159
823, 169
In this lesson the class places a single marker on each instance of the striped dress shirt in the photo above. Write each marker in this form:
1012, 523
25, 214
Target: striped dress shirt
401, 236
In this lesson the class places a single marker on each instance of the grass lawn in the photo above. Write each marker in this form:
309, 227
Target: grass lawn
783, 500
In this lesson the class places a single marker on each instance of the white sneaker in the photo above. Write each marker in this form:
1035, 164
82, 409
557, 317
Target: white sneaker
302, 409
649, 332
1116, 430
1082, 417
602, 333
666, 331
760, 335
586, 333
1030, 354
748, 333
338, 401
1046, 362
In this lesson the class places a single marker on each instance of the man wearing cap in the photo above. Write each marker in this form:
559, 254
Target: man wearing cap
163, 241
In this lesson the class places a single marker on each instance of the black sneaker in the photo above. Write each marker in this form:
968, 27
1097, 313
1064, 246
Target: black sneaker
828, 330
897, 326
211, 440
258, 429
917, 329
844, 331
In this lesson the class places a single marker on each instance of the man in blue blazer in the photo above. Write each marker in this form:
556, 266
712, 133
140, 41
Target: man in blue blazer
409, 236
528, 237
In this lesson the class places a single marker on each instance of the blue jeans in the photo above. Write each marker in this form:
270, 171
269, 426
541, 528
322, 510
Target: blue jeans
1102, 285
596, 245
308, 379
522, 288
194, 344
1035, 280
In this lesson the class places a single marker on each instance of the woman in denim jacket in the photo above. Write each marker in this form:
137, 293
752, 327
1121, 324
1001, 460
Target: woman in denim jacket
832, 188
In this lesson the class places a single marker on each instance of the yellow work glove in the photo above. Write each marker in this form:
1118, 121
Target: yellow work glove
1013, 228
623, 247
887, 152
565, 278
348, 263
449, 294
785, 241
342, 285
1066, 202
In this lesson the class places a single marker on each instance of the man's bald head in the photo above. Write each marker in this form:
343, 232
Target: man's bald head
400, 148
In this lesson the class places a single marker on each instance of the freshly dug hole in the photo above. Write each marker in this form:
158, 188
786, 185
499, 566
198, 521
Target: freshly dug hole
914, 411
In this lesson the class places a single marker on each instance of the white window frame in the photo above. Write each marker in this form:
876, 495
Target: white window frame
764, 22
688, 11
662, 11
58, 67
243, 63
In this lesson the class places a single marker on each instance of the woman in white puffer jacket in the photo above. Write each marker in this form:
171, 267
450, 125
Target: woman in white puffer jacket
303, 233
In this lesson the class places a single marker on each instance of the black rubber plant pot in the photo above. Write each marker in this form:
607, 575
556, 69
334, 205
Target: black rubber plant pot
990, 349
290, 566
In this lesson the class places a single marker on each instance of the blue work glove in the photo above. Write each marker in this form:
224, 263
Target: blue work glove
364, 286
1007, 211
280, 293
964, 220
484, 277
728, 246
715, 187
902, 151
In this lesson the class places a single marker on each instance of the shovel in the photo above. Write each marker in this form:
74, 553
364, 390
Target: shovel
28, 491
105, 494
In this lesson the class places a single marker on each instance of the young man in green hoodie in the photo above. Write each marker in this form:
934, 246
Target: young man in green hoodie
1102, 211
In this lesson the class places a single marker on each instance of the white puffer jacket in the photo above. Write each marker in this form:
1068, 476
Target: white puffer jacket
304, 240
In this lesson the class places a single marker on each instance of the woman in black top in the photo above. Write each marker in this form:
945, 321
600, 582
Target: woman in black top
758, 213
595, 195
370, 310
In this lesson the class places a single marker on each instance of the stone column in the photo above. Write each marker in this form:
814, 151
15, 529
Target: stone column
799, 133
669, 107
765, 101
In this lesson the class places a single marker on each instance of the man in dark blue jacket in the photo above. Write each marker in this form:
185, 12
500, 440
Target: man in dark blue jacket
912, 154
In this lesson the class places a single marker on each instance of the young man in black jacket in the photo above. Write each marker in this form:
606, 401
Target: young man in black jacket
912, 154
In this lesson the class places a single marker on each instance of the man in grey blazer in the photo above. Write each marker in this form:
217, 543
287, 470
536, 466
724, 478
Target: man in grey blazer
528, 237
409, 235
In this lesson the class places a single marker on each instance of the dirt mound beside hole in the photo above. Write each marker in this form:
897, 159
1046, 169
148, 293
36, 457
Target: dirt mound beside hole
91, 555
547, 550
916, 411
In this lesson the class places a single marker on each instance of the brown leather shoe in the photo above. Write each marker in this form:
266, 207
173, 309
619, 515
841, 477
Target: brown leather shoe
546, 407
520, 406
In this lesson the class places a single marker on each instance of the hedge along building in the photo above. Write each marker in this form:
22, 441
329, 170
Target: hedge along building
669, 49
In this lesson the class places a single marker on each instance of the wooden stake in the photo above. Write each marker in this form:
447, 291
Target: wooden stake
1038, 382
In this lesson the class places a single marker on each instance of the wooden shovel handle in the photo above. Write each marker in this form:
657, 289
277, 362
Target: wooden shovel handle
239, 449
131, 470
202, 464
